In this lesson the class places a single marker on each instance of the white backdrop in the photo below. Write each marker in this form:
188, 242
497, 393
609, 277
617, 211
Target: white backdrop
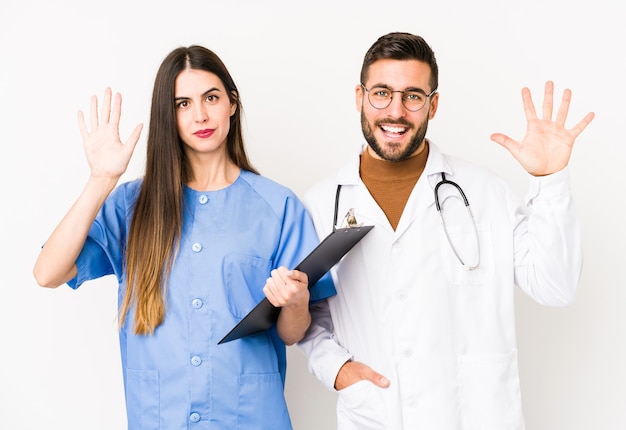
296, 66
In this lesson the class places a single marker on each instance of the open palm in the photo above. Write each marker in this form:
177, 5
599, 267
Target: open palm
106, 154
547, 145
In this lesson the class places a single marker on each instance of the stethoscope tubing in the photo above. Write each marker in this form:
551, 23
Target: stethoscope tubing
443, 181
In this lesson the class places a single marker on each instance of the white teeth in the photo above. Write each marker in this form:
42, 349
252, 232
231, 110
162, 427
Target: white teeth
393, 129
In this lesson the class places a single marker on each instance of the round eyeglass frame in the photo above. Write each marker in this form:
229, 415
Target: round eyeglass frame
367, 90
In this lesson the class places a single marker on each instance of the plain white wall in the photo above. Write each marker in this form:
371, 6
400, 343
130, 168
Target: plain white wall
296, 66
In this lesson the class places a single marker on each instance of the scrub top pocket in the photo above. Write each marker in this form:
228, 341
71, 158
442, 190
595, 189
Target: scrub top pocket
143, 399
262, 404
245, 277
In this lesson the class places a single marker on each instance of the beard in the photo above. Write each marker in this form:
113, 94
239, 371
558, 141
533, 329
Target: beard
394, 153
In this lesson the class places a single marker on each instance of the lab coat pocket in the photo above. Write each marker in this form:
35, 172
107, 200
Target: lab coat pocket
489, 392
245, 277
142, 399
361, 407
473, 246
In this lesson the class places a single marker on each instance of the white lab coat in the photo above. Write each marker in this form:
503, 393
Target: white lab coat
444, 336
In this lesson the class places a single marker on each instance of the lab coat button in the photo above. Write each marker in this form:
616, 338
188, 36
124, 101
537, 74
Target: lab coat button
196, 361
401, 295
196, 247
196, 303
194, 417
407, 352
203, 199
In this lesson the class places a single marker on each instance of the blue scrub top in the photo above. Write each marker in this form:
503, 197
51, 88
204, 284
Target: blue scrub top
180, 378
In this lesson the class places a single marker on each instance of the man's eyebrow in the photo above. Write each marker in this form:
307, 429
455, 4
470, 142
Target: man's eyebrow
387, 87
416, 89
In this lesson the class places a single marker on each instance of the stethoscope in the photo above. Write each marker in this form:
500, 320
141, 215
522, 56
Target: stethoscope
350, 220
445, 181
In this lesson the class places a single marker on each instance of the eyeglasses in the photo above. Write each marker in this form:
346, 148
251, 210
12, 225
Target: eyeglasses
380, 97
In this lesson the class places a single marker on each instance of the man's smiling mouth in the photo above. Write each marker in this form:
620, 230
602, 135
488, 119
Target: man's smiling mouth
393, 129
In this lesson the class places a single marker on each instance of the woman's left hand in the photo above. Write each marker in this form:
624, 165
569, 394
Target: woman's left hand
287, 288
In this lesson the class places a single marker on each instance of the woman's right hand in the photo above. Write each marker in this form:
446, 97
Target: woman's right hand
106, 154
108, 159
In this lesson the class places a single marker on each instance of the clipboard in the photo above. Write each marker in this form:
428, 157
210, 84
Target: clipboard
315, 265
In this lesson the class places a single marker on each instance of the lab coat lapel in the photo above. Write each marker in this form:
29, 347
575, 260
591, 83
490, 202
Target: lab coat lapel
354, 194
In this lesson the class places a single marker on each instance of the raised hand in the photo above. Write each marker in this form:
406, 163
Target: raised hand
547, 145
108, 159
106, 154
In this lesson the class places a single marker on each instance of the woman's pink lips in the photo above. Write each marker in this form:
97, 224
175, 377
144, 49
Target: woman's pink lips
204, 133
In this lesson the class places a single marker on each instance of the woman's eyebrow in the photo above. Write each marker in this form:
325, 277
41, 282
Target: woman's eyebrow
206, 93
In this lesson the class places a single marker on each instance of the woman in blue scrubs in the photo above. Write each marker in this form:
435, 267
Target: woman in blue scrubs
195, 244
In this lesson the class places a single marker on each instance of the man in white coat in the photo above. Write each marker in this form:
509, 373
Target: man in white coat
421, 333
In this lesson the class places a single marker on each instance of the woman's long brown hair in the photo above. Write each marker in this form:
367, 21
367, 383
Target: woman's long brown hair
157, 220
